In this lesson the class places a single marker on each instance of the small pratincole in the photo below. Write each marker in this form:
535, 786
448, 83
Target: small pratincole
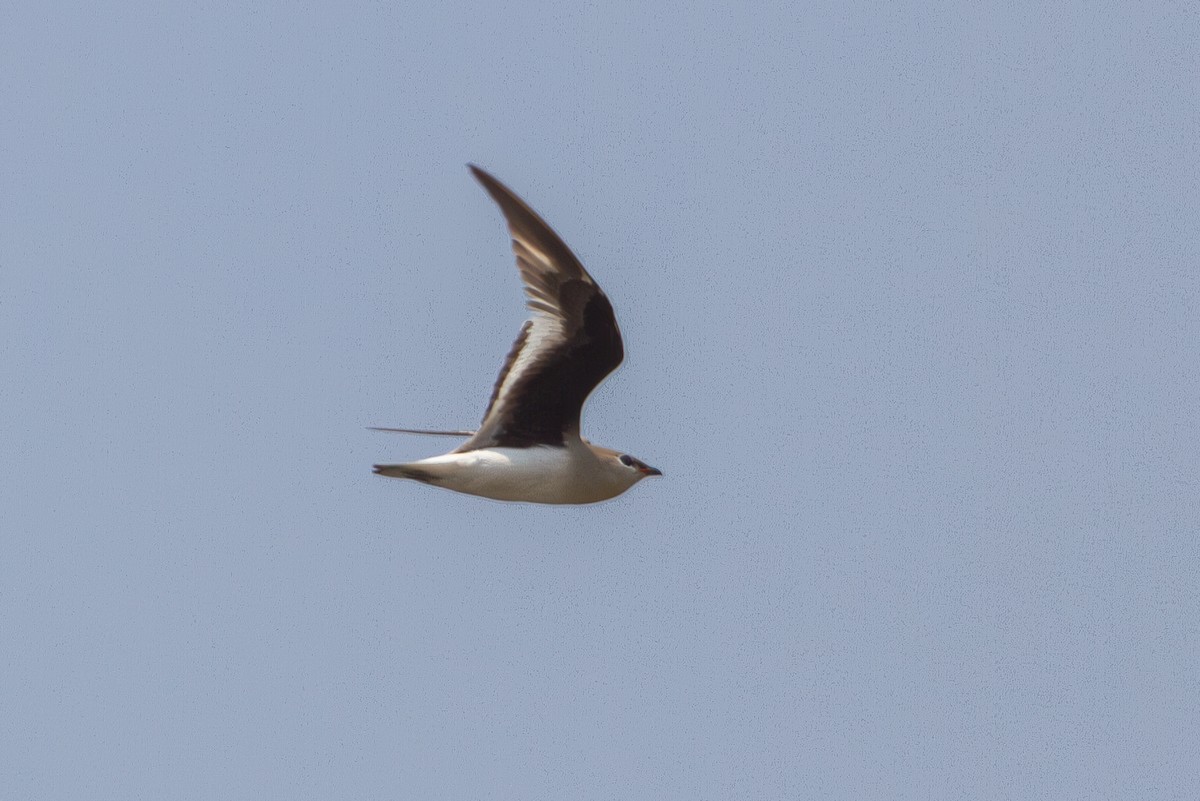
528, 447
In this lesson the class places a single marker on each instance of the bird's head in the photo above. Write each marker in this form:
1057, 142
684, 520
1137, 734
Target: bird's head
636, 468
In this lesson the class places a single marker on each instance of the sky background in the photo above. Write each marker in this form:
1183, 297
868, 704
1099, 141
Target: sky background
910, 299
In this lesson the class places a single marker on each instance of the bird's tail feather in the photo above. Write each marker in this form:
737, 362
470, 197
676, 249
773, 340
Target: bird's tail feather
404, 471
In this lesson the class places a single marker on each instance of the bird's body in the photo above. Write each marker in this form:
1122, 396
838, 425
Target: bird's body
528, 447
572, 473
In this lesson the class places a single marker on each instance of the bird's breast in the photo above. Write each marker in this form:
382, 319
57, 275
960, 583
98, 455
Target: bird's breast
540, 474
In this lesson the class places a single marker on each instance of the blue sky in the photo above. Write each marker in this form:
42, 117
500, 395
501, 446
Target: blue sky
909, 297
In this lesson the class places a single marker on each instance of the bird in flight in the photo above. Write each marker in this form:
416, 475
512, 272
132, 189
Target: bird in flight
528, 447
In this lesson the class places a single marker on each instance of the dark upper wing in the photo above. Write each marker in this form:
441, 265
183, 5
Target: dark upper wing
567, 347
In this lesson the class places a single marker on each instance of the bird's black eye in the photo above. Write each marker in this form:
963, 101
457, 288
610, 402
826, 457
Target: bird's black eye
626, 460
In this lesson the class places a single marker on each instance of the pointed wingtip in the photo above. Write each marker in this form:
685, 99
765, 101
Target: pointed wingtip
439, 433
496, 189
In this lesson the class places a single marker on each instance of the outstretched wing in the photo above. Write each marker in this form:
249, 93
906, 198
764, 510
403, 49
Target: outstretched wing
422, 431
565, 349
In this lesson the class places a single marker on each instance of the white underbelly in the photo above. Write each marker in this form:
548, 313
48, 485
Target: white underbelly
541, 474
